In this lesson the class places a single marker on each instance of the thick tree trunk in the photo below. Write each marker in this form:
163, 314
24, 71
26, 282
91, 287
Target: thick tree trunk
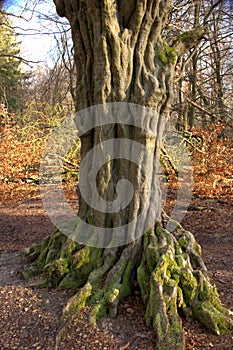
120, 56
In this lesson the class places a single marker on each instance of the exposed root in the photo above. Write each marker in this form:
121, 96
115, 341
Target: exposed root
168, 267
173, 281
107, 285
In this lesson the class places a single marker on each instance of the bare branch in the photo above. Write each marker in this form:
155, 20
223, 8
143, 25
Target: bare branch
189, 39
212, 7
19, 58
200, 108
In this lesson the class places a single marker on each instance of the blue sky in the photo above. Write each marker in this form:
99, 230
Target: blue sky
7, 3
34, 29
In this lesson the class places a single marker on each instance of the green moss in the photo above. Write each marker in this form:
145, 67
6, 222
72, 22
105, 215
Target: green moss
175, 274
191, 35
51, 255
34, 255
208, 292
91, 219
62, 266
56, 270
197, 248
70, 281
81, 258
183, 242
189, 285
146, 239
98, 312
68, 248
168, 275
98, 296
125, 288
113, 296
40, 262
86, 256
159, 230
186, 36
78, 302
211, 318
51, 249
181, 260
152, 258
162, 314
144, 282
57, 239
170, 289
104, 300
31, 250
166, 265
167, 54
117, 286
38, 253
153, 302
97, 274
180, 298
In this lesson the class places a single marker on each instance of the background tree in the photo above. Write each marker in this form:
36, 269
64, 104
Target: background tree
10, 71
202, 82
121, 55
49, 84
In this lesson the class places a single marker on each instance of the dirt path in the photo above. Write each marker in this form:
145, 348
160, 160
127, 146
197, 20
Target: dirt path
30, 317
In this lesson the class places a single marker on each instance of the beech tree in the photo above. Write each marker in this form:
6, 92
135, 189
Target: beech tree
121, 56
10, 72
203, 88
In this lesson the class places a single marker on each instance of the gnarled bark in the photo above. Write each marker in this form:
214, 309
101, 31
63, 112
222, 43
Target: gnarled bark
120, 56
168, 268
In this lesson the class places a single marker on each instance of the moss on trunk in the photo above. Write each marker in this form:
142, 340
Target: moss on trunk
169, 270
119, 56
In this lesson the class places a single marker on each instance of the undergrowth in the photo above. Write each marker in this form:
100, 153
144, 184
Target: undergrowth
23, 140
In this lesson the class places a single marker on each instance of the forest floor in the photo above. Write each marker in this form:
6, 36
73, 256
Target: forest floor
30, 317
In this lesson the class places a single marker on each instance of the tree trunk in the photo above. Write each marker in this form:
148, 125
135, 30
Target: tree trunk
217, 72
120, 56
193, 78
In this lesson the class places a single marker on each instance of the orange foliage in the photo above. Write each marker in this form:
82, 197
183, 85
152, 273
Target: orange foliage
19, 162
213, 161
18, 159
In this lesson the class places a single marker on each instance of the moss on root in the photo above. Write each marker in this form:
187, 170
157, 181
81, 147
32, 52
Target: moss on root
174, 279
168, 267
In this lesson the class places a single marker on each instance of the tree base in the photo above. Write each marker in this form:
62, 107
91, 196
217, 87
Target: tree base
168, 268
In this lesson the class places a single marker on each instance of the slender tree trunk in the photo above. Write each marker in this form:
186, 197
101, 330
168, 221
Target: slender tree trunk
120, 56
219, 80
